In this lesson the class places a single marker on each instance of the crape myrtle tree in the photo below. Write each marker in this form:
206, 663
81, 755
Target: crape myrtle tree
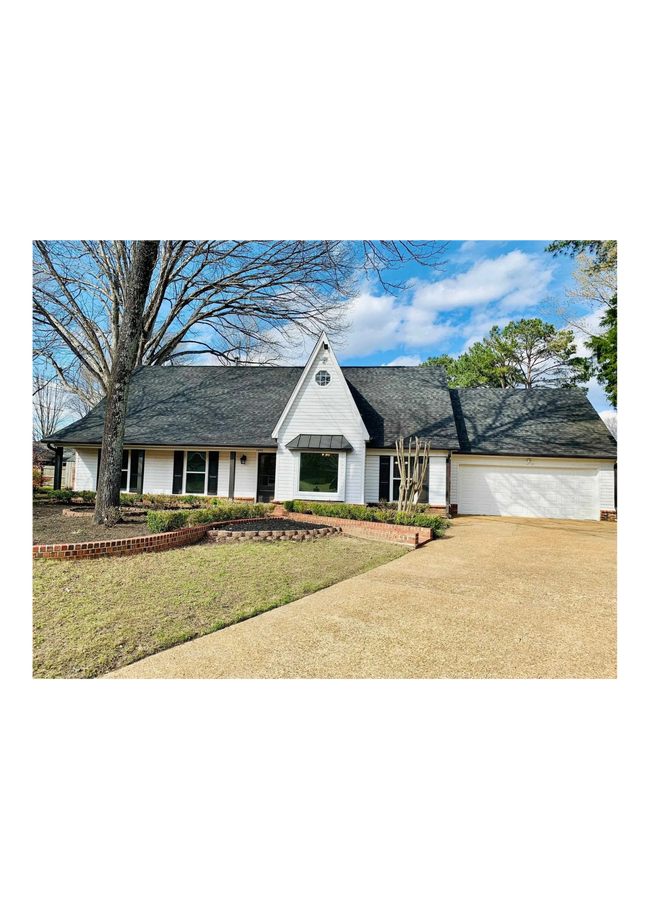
103, 307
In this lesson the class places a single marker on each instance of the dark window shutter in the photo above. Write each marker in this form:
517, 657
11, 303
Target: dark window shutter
213, 472
137, 471
177, 485
99, 459
423, 497
384, 478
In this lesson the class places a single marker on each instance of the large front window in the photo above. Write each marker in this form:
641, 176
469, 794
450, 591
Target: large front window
423, 497
319, 472
195, 474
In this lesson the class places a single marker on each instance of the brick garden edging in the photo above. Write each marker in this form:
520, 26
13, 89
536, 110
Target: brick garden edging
134, 545
159, 542
386, 532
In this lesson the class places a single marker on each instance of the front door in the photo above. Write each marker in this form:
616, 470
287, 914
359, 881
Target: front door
265, 477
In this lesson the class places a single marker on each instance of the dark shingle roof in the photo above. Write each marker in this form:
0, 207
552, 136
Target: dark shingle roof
404, 402
240, 406
540, 422
196, 406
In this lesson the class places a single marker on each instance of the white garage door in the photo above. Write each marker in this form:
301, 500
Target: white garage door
515, 491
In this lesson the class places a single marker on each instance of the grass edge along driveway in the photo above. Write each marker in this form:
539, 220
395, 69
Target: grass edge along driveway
91, 617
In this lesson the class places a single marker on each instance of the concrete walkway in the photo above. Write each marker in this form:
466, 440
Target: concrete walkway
498, 597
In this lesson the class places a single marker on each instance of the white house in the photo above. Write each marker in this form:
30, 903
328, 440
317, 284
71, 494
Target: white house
327, 433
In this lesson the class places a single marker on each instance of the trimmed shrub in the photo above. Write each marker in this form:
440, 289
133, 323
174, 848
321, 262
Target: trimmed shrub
63, 495
87, 496
385, 514
164, 521
289, 505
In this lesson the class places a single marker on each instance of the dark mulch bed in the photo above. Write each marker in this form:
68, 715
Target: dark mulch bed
51, 527
271, 523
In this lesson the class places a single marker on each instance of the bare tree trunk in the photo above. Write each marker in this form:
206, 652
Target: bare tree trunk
412, 475
107, 506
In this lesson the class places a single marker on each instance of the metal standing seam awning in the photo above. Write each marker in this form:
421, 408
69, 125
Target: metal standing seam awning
319, 442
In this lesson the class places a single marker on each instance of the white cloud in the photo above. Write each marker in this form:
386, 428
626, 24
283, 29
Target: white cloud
513, 281
473, 249
493, 290
467, 245
405, 360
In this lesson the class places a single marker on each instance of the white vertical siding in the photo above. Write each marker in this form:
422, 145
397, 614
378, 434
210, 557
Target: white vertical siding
323, 410
246, 476
158, 472
224, 473
606, 485
453, 487
372, 478
86, 475
438, 480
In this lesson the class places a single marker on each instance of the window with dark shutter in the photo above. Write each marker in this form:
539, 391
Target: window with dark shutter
177, 482
137, 471
384, 478
213, 472
125, 470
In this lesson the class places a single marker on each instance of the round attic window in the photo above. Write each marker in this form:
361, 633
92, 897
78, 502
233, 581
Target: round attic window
323, 378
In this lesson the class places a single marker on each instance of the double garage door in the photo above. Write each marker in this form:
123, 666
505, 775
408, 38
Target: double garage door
516, 491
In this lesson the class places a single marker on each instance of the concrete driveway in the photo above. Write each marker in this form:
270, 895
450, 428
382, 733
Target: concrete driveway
496, 598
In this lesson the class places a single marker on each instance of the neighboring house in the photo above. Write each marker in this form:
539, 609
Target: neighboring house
44, 457
325, 432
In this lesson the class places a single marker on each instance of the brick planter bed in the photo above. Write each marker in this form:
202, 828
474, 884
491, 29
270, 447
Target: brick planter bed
386, 532
271, 530
134, 545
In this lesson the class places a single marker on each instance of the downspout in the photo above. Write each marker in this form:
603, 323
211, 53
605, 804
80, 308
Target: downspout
448, 483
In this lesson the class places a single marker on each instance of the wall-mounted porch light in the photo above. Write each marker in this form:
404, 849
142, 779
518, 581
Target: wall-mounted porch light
243, 459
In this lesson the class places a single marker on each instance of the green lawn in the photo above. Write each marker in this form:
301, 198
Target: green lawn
94, 616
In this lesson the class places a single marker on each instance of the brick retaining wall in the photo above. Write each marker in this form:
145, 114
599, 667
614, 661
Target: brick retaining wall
386, 532
134, 545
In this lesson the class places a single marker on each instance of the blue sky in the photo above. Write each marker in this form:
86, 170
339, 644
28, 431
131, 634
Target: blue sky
482, 284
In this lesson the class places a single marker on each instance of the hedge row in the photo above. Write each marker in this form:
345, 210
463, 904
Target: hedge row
377, 515
64, 496
168, 501
163, 521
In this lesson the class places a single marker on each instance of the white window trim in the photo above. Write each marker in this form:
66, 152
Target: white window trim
125, 491
203, 493
338, 496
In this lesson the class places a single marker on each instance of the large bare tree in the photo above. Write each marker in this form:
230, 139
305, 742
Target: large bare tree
103, 307
49, 402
